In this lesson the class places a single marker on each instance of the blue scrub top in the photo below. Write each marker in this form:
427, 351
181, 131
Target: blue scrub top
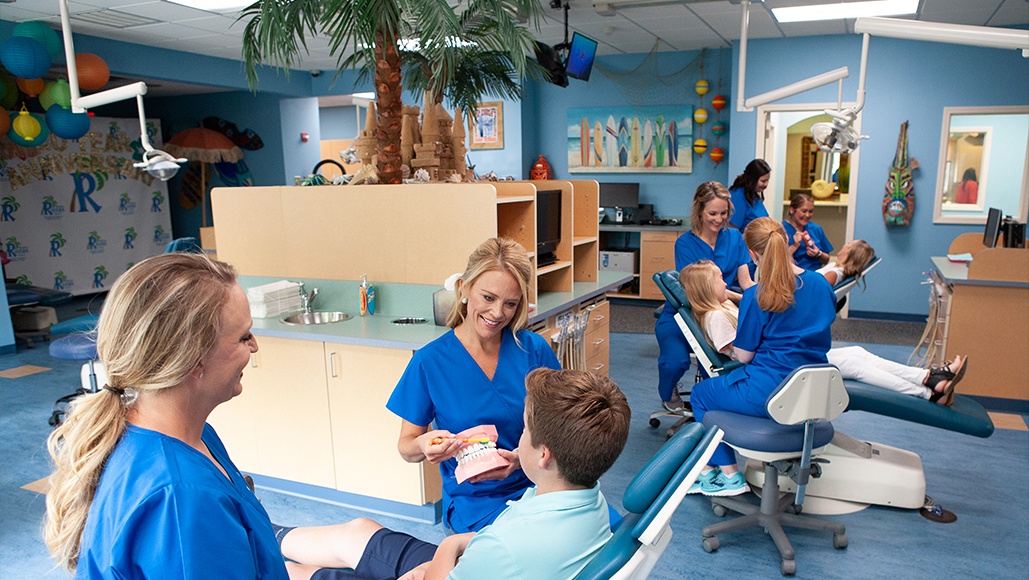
443, 385
730, 252
817, 236
163, 510
742, 212
783, 341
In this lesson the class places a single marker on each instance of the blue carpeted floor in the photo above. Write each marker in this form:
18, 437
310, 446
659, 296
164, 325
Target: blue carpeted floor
984, 481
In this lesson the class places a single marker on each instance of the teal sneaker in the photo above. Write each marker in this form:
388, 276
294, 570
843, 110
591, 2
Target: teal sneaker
724, 486
703, 478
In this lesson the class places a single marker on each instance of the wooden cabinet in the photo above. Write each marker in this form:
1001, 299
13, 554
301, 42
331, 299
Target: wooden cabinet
657, 253
598, 335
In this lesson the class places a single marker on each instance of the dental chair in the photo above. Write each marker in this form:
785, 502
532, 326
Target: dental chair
651, 498
859, 473
801, 409
843, 287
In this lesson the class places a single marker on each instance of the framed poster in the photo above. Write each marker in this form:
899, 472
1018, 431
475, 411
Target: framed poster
487, 127
654, 139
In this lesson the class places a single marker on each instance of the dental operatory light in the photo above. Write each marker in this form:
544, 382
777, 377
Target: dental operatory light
838, 136
840, 10
155, 162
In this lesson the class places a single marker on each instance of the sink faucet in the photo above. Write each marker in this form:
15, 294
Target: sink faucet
307, 299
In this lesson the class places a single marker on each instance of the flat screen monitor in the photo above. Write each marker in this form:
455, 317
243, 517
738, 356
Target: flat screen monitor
548, 225
580, 57
625, 195
993, 220
547, 58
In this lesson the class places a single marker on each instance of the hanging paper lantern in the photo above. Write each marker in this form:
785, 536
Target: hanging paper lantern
10, 94
5, 121
93, 71
45, 99
717, 154
66, 124
24, 57
699, 146
31, 87
719, 102
43, 34
719, 128
61, 93
700, 115
26, 121
701, 87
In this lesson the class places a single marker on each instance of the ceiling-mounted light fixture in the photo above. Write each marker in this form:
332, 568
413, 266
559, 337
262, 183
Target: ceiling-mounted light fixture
155, 162
219, 6
840, 10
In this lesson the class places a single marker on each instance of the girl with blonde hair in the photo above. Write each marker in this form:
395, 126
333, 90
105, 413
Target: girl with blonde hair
142, 485
774, 337
852, 260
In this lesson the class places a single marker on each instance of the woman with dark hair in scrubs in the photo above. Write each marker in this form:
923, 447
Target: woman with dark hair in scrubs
475, 375
808, 243
748, 194
709, 238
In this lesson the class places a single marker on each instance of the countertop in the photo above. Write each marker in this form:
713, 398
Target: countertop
616, 227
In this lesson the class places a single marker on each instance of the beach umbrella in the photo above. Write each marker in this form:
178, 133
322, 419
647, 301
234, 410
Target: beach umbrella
203, 146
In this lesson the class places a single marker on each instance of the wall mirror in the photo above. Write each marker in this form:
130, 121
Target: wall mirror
984, 163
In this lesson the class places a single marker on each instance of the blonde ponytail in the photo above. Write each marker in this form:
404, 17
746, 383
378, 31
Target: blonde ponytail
776, 281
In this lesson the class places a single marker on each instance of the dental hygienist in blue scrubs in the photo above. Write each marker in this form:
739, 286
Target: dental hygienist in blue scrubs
475, 375
142, 486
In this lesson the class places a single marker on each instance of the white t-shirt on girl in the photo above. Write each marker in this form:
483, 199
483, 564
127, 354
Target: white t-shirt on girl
720, 332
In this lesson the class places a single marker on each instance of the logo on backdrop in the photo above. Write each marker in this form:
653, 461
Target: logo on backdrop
156, 201
130, 238
8, 205
62, 281
85, 186
57, 242
99, 275
125, 204
160, 236
15, 251
96, 244
24, 280
51, 209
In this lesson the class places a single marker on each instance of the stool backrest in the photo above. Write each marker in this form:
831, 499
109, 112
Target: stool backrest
810, 392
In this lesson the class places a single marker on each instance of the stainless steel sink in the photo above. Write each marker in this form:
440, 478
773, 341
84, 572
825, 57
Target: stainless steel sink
322, 317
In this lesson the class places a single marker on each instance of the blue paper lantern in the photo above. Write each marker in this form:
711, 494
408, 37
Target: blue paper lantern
66, 124
36, 141
38, 30
24, 57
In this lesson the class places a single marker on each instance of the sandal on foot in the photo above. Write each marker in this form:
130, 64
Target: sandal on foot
946, 377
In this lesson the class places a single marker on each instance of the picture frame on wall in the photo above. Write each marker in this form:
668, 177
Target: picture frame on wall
652, 139
486, 127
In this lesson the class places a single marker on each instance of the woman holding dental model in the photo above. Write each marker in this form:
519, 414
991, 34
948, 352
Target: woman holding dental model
475, 375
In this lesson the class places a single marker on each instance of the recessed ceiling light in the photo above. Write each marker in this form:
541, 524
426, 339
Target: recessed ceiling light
840, 10
220, 6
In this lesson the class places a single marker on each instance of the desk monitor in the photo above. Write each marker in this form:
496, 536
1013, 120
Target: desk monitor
993, 220
580, 57
625, 195
548, 225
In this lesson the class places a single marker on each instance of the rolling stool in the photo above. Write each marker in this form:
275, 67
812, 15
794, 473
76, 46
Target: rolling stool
80, 347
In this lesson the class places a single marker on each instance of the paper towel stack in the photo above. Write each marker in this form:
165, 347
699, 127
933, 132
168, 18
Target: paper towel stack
275, 299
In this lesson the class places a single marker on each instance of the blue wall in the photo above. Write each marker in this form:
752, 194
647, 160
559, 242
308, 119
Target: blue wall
906, 81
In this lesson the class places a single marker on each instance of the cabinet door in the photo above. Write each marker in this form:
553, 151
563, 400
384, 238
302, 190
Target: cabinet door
657, 253
365, 433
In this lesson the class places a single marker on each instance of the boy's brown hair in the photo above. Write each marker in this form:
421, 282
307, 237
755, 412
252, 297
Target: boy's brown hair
581, 417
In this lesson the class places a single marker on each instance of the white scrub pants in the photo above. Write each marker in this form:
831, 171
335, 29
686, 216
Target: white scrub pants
858, 364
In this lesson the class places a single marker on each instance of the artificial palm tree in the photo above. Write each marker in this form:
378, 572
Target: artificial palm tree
366, 35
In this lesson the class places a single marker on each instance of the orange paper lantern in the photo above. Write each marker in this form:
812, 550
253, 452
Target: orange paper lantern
93, 71
31, 87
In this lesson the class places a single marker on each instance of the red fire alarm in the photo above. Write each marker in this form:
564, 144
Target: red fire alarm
304, 137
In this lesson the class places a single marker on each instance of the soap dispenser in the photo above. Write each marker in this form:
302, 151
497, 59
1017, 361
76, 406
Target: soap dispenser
367, 297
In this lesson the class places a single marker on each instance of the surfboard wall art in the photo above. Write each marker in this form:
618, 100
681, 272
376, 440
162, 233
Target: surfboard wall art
654, 139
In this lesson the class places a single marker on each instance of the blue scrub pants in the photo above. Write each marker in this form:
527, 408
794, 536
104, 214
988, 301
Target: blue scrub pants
721, 394
674, 358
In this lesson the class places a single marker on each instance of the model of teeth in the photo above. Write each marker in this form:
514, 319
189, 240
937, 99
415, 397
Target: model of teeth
477, 458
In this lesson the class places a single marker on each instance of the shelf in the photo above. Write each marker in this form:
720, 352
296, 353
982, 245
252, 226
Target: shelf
560, 264
513, 198
584, 240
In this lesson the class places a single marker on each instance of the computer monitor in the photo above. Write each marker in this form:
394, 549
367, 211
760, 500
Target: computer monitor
624, 195
549, 60
993, 221
548, 225
580, 57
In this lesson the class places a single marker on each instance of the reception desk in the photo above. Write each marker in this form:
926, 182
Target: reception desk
983, 313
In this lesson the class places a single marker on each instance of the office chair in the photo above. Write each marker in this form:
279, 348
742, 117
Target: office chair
800, 410
651, 498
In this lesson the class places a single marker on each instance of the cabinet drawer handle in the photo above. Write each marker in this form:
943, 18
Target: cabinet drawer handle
599, 318
332, 364
600, 341
598, 367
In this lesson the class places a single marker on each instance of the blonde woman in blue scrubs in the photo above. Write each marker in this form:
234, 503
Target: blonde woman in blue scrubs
475, 375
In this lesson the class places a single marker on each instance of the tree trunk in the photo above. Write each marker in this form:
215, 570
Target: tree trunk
390, 107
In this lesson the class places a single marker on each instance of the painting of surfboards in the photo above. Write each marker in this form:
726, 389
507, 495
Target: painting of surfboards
598, 144
611, 143
648, 144
623, 142
673, 144
584, 143
636, 141
659, 143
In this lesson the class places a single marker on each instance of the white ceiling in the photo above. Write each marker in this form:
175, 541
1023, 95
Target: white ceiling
670, 25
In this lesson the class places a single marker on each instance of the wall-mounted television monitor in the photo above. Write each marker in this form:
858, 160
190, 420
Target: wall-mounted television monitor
548, 225
547, 57
580, 57
624, 195
993, 221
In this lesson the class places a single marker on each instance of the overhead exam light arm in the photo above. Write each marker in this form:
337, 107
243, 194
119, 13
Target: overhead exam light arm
987, 36
156, 162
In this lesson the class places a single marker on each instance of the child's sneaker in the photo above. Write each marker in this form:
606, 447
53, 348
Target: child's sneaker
704, 478
723, 486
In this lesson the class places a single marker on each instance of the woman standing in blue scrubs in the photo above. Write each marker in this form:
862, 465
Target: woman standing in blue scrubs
810, 252
142, 486
748, 194
783, 323
475, 375
709, 238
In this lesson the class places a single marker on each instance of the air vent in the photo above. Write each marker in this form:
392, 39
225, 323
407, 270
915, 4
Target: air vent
113, 18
